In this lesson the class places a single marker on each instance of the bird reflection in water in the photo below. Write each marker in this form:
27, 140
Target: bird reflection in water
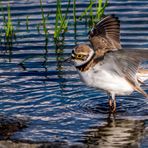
117, 133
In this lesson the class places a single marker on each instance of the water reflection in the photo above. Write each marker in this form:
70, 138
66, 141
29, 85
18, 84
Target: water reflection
116, 133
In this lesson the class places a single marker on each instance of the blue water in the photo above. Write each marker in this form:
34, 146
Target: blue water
49, 93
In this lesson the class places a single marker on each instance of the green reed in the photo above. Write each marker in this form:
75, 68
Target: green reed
27, 23
61, 22
91, 14
9, 29
74, 12
44, 20
84, 14
7, 23
96, 15
38, 28
91, 10
101, 8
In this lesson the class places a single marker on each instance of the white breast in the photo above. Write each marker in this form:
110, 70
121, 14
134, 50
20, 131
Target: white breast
101, 78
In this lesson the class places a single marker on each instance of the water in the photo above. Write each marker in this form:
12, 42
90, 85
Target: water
49, 93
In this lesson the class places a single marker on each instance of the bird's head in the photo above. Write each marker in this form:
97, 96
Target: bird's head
81, 54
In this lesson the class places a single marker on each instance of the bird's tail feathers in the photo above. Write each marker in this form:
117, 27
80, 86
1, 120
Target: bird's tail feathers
142, 75
140, 90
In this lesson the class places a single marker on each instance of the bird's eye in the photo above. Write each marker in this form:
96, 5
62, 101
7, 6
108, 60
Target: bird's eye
79, 56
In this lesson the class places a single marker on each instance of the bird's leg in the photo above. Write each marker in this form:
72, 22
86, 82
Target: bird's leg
114, 106
114, 103
110, 102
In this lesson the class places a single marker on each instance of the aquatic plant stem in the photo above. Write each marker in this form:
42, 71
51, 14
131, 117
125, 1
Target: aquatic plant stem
44, 21
74, 12
27, 23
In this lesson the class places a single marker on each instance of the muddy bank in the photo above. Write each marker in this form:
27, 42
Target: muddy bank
11, 144
11, 124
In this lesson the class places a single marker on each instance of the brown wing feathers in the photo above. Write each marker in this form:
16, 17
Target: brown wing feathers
105, 35
110, 26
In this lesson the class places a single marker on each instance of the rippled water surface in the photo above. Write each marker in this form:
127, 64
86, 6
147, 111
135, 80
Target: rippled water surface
49, 92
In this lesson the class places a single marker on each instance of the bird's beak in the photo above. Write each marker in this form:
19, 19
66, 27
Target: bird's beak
69, 59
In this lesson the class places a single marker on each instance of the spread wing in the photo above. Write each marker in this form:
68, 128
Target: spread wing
128, 62
105, 36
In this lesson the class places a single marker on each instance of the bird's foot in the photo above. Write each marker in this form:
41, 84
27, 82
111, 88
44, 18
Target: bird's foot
114, 106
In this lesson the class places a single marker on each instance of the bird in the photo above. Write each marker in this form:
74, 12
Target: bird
104, 65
